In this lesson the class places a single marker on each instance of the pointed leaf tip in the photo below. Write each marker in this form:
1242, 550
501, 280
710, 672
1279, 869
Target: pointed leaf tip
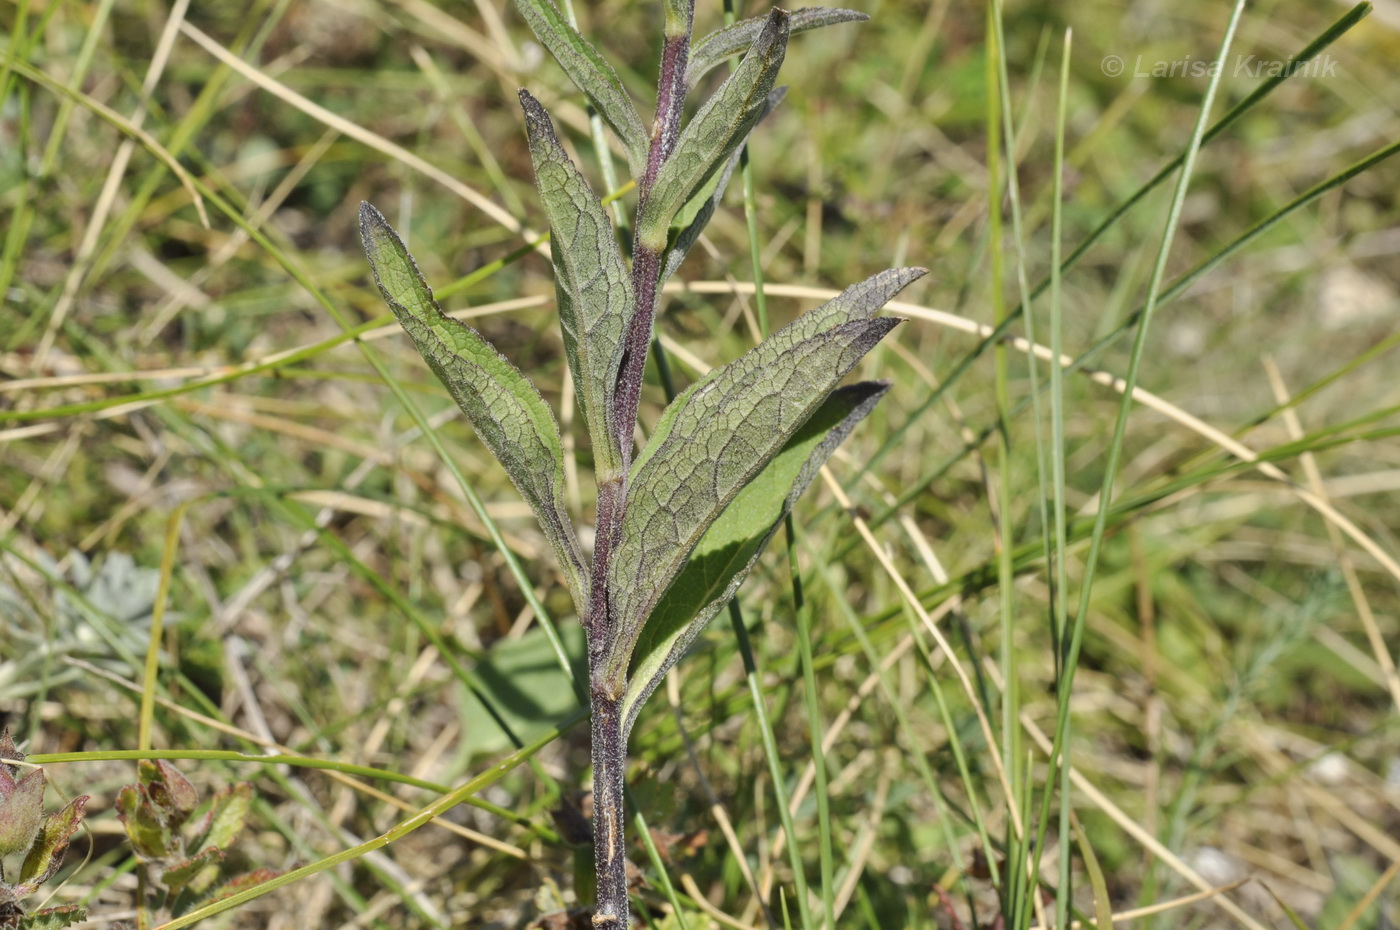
592, 285
732, 545
721, 125
709, 443
504, 407
46, 855
724, 43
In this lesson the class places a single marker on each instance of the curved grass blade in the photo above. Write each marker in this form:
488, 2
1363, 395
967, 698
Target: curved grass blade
716, 131
722, 559
592, 74
505, 409
591, 280
725, 43
716, 436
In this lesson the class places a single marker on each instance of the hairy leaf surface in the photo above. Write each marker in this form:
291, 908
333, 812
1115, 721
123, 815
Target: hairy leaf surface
696, 214
53, 918
591, 280
716, 131
717, 435
504, 408
724, 43
858, 302
722, 559
592, 74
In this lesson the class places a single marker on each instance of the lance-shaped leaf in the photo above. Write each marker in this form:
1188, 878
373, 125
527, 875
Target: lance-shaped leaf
711, 442
592, 74
724, 43
721, 431
46, 855
696, 215
593, 286
228, 812
716, 131
505, 409
722, 559
197, 872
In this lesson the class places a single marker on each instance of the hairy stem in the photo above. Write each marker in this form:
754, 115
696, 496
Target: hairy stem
609, 744
646, 273
609, 851
670, 93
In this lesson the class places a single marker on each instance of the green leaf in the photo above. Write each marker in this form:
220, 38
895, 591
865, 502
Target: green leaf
505, 409
720, 432
715, 437
46, 855
722, 559
716, 131
592, 74
696, 214
531, 694
591, 280
858, 302
724, 43
1103, 904
228, 812
199, 871
150, 835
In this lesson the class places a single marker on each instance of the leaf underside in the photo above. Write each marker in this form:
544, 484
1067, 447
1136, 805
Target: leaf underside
716, 131
504, 407
592, 74
723, 557
593, 286
696, 214
725, 43
719, 433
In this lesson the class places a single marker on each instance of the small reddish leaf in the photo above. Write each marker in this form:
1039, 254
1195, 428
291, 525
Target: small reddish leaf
240, 882
170, 792
21, 813
8, 752
9, 774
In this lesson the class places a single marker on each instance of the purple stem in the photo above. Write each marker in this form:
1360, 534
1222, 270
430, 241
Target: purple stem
609, 739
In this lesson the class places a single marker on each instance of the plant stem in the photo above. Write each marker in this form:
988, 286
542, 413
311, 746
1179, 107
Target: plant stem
606, 688
646, 273
609, 811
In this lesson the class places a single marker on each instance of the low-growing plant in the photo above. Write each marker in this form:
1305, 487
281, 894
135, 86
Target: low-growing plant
189, 855
34, 841
680, 522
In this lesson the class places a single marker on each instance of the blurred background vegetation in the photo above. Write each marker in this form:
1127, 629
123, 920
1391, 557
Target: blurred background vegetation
1235, 701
